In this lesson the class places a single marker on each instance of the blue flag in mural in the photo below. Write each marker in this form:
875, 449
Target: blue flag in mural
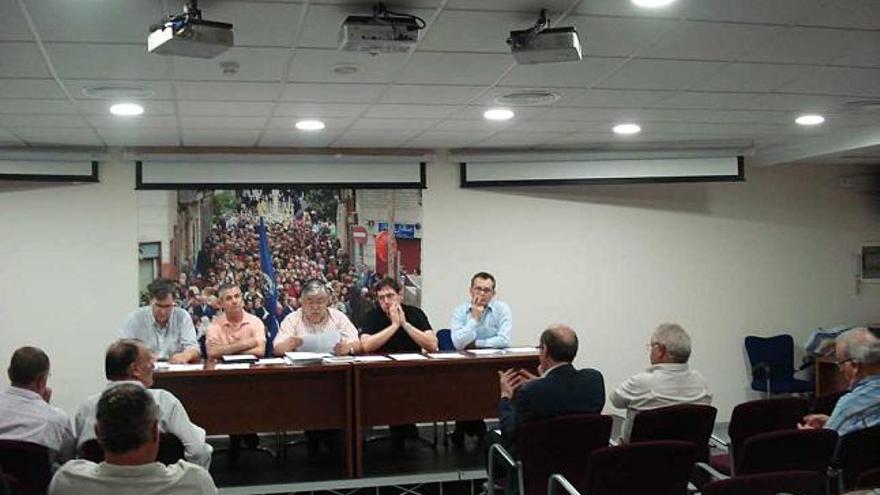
271, 288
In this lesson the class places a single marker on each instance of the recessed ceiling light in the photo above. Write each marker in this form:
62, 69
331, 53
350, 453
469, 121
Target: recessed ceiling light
346, 69
810, 119
126, 109
627, 129
310, 125
498, 114
530, 97
652, 4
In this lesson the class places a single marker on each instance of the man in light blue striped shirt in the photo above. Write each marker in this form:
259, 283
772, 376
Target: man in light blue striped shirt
482, 322
166, 329
858, 357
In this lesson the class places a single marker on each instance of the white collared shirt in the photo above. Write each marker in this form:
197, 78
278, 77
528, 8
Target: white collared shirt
172, 419
661, 385
25, 416
80, 476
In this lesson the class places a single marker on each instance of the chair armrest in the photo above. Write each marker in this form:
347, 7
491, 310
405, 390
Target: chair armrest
496, 450
761, 367
718, 442
558, 479
711, 471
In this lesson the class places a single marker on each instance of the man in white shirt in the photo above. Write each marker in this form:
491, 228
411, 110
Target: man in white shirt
667, 382
166, 329
25, 412
128, 430
131, 362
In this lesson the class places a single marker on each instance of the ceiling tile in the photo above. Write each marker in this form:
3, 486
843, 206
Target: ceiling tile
863, 51
36, 107
854, 14
616, 98
365, 124
142, 122
316, 65
225, 108
161, 90
93, 61
12, 121
188, 123
255, 64
804, 45
228, 91
758, 11
30, 89
22, 60
320, 109
120, 21
455, 68
696, 99
428, 93
219, 137
116, 136
799, 103
838, 81
102, 107
298, 139
752, 77
480, 125
475, 112
388, 111
711, 41
446, 139
660, 74
257, 23
334, 124
581, 74
485, 32
515, 139
332, 93
617, 37
13, 27
560, 126
523, 6
58, 136
373, 139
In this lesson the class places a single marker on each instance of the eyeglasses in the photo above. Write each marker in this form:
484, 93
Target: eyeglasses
165, 306
840, 364
483, 290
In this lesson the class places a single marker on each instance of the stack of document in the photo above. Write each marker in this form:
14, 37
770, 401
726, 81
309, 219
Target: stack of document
305, 358
239, 358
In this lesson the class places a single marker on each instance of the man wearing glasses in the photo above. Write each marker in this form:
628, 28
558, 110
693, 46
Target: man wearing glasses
481, 322
166, 329
858, 357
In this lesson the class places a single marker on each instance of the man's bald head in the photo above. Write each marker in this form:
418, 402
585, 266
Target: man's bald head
561, 342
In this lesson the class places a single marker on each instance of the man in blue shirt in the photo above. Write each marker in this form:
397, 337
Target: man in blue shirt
481, 322
858, 357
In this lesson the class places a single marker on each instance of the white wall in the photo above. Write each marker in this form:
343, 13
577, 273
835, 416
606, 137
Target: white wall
68, 265
774, 253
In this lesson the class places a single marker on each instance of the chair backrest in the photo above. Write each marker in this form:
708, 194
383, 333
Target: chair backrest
869, 479
560, 445
27, 463
444, 340
762, 416
856, 453
660, 468
788, 450
171, 450
775, 352
688, 422
799, 482
824, 404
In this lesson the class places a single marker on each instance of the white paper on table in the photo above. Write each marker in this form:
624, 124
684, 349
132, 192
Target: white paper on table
304, 356
161, 365
370, 359
522, 350
232, 366
407, 357
271, 361
338, 360
232, 358
319, 342
184, 367
446, 355
486, 352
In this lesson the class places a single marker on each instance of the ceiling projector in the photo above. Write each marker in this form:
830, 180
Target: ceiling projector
188, 35
542, 44
382, 32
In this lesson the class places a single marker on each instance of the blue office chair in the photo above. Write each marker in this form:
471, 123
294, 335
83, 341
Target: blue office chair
772, 361
444, 340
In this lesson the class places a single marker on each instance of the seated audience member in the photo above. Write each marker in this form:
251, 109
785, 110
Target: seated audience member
234, 331
25, 412
394, 327
480, 322
667, 382
313, 318
858, 357
561, 389
131, 362
166, 329
128, 430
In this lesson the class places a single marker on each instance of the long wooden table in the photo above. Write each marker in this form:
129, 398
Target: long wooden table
349, 397
266, 399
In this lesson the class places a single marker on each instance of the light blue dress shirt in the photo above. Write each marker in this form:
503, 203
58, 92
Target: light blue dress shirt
859, 409
492, 330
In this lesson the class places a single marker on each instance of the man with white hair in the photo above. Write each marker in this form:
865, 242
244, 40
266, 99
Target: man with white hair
667, 382
857, 352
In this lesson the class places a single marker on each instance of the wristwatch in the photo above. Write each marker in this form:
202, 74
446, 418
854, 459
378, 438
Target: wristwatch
351, 349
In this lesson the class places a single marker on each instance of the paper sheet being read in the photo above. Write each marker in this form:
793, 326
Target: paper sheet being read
321, 342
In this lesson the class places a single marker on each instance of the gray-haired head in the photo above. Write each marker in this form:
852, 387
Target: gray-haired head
314, 287
125, 418
674, 339
860, 345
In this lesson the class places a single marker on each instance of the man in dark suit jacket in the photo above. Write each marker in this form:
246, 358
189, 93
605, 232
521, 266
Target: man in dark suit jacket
561, 389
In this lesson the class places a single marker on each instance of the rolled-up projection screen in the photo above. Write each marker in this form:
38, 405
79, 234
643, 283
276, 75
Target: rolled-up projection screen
60, 169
